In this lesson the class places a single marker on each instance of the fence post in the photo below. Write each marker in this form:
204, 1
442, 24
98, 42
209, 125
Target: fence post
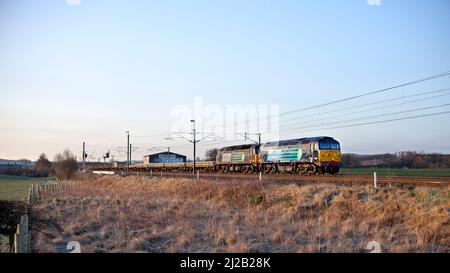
198, 175
30, 197
375, 180
16, 240
24, 234
22, 238
33, 193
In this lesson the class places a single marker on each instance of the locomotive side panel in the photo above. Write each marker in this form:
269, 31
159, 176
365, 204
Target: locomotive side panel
307, 155
241, 158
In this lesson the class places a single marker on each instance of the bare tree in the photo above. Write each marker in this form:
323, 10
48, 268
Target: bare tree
211, 154
65, 165
43, 166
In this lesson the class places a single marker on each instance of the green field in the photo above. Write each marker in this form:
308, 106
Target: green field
17, 187
396, 172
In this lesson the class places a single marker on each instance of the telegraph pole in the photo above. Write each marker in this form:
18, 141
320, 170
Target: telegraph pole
128, 150
195, 142
84, 154
131, 149
247, 138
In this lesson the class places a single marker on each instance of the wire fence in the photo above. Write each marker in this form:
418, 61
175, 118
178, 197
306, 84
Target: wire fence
22, 237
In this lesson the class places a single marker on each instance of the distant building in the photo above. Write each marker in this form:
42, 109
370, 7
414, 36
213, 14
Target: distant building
164, 157
16, 164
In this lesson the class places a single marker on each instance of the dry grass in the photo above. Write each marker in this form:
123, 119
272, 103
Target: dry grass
113, 214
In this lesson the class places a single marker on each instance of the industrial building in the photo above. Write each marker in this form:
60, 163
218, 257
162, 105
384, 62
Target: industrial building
16, 164
164, 157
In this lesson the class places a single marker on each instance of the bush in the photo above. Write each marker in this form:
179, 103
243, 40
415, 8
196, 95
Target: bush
65, 165
10, 213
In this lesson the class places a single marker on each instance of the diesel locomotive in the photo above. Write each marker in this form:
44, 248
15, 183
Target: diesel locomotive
316, 155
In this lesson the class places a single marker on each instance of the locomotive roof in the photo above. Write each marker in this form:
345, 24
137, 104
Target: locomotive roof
299, 141
237, 147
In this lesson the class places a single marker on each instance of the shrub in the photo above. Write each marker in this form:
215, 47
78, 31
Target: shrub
65, 165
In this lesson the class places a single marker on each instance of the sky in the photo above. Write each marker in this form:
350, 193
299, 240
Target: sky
89, 70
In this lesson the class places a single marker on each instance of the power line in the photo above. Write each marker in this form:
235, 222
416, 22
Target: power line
382, 121
373, 116
364, 105
366, 123
152, 136
440, 75
334, 127
365, 111
369, 104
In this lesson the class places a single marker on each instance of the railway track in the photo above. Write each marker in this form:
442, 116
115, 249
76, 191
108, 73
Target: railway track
339, 179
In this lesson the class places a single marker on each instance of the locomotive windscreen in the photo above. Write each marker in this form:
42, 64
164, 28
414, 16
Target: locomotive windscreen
329, 145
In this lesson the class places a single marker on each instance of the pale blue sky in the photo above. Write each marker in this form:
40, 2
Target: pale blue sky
91, 72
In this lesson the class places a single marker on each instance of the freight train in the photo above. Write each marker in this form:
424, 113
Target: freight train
317, 155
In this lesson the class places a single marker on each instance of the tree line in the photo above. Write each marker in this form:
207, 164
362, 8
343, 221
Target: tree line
63, 167
397, 160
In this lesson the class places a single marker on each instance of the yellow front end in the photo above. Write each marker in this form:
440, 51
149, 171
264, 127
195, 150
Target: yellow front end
329, 156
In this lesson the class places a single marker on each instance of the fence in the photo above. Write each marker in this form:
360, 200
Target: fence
22, 237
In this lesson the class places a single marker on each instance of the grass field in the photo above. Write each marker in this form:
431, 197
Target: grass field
134, 214
396, 172
17, 187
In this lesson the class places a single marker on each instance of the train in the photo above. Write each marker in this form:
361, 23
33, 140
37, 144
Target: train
314, 155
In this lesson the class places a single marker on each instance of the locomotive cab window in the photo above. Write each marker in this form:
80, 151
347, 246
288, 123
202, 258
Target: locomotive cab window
335, 146
329, 146
324, 146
